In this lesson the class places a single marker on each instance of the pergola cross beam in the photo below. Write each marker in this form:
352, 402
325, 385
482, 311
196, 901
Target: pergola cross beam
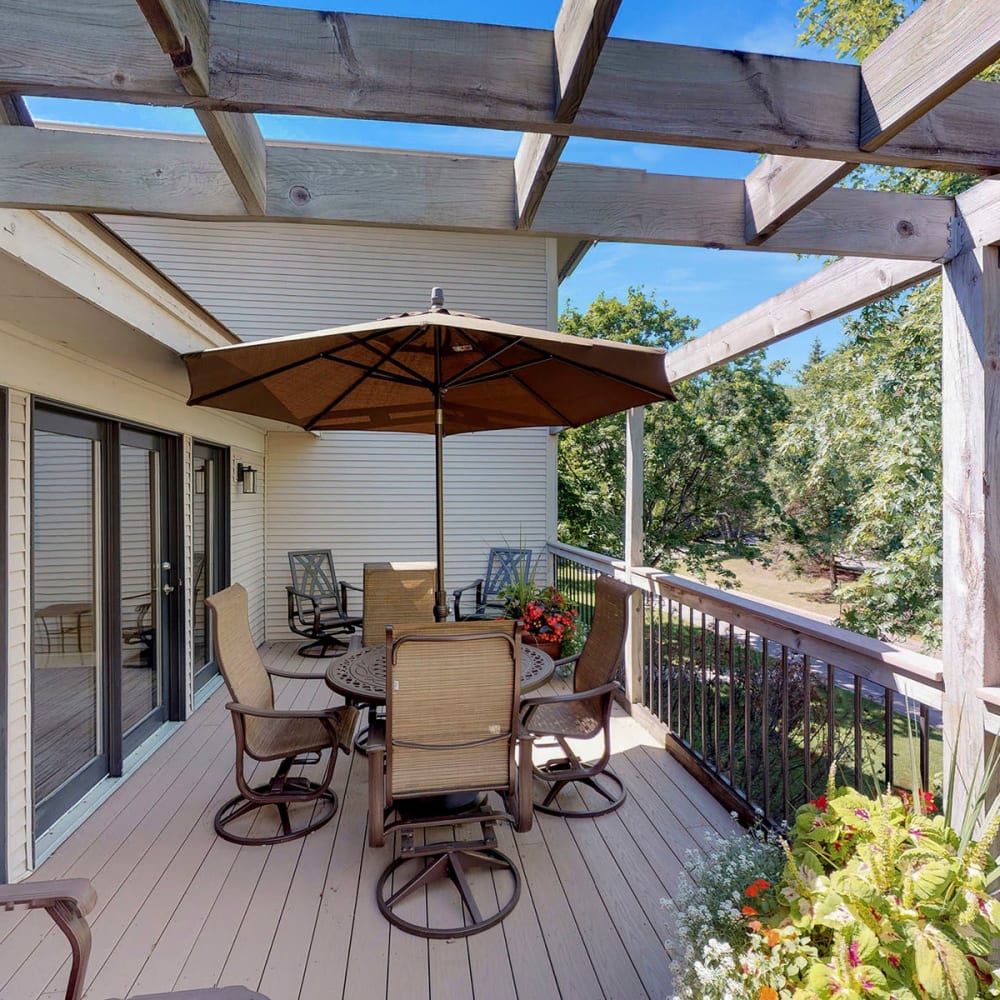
581, 29
940, 47
182, 29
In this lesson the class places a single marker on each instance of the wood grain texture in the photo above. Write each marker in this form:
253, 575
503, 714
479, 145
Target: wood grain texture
781, 186
308, 62
239, 145
835, 290
978, 211
970, 390
78, 171
127, 174
181, 28
581, 30
939, 47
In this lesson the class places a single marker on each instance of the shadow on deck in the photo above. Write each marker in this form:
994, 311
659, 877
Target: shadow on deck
180, 908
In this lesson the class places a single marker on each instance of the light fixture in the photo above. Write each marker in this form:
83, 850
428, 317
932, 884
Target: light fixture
247, 475
199, 480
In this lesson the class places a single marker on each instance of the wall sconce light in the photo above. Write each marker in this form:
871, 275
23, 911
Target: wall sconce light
247, 475
199, 481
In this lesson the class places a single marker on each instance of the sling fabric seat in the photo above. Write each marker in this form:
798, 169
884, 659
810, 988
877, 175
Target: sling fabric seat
584, 714
317, 603
396, 592
264, 733
451, 732
68, 901
504, 568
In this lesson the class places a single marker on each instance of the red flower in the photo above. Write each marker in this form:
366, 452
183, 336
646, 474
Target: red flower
819, 803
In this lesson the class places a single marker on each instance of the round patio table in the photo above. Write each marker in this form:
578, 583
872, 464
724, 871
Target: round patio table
360, 676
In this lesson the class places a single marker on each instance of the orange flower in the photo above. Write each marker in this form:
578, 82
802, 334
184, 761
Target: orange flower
767, 993
749, 911
773, 937
755, 888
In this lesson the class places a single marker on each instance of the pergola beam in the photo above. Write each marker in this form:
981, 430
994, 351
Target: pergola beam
838, 289
182, 29
283, 60
97, 172
581, 30
936, 50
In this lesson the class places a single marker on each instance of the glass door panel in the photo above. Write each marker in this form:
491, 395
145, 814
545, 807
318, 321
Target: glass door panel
68, 688
142, 670
209, 535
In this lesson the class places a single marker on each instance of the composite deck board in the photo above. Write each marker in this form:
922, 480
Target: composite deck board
178, 907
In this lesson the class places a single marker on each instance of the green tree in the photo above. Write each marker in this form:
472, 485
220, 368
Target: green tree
705, 455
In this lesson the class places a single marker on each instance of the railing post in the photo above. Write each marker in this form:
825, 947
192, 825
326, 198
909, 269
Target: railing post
633, 548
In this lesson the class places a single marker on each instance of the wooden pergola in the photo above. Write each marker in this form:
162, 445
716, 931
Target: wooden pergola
913, 102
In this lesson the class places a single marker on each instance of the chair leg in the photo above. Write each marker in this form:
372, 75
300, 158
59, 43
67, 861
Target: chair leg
280, 792
451, 861
555, 775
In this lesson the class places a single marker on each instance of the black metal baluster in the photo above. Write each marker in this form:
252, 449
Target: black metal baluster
765, 724
786, 810
715, 697
890, 720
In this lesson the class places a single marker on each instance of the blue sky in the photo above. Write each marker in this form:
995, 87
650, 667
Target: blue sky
710, 285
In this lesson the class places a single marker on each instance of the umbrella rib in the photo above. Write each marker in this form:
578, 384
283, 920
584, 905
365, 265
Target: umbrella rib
243, 383
482, 361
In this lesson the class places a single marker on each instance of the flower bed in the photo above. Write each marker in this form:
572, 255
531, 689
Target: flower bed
875, 897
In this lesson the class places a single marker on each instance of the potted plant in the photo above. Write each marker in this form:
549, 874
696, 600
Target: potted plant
545, 615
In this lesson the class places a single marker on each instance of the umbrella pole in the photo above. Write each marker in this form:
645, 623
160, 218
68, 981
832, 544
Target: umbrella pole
440, 600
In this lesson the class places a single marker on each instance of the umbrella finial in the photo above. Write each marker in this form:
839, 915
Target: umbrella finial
437, 299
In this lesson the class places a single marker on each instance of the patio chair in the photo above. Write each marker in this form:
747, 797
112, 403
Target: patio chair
266, 734
317, 603
585, 713
396, 592
450, 733
68, 901
504, 568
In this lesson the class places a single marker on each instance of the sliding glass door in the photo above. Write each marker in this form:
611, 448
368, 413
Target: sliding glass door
105, 645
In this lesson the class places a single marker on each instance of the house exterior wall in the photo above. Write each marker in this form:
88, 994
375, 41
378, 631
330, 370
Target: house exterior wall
370, 497
35, 368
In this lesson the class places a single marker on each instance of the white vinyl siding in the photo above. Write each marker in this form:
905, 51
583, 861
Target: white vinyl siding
247, 537
370, 496
18, 819
269, 279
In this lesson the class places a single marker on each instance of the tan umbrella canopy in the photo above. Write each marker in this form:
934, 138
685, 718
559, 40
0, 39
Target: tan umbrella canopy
435, 372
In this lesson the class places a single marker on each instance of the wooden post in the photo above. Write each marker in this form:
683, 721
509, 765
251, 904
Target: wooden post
633, 546
971, 519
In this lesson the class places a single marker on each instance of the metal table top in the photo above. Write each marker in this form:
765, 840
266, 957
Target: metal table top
360, 676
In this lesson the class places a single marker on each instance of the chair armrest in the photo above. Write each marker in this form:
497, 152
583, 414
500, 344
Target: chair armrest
284, 713
295, 675
476, 585
344, 588
562, 661
76, 893
555, 699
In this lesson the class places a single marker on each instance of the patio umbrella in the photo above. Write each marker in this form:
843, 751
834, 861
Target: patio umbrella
434, 372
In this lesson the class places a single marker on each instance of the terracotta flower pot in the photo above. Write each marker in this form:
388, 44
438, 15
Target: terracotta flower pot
553, 649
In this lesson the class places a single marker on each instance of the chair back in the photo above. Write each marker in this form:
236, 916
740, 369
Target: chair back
313, 574
239, 662
505, 568
396, 592
604, 651
452, 695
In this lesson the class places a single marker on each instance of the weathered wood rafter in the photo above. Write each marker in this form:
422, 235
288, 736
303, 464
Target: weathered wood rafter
182, 29
362, 66
836, 290
581, 30
97, 172
936, 50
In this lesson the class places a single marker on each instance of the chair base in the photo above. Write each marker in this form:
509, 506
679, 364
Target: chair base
555, 775
295, 792
451, 861
320, 648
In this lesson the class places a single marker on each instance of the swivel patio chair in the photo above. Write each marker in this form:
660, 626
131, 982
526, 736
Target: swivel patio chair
317, 603
504, 568
585, 713
396, 592
266, 734
68, 901
450, 733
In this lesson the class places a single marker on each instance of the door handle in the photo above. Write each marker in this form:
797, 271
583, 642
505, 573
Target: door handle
168, 588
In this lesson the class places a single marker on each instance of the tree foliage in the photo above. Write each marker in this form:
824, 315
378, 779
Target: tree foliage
705, 455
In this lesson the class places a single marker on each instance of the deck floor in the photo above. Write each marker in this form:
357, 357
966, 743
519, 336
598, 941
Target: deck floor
179, 908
